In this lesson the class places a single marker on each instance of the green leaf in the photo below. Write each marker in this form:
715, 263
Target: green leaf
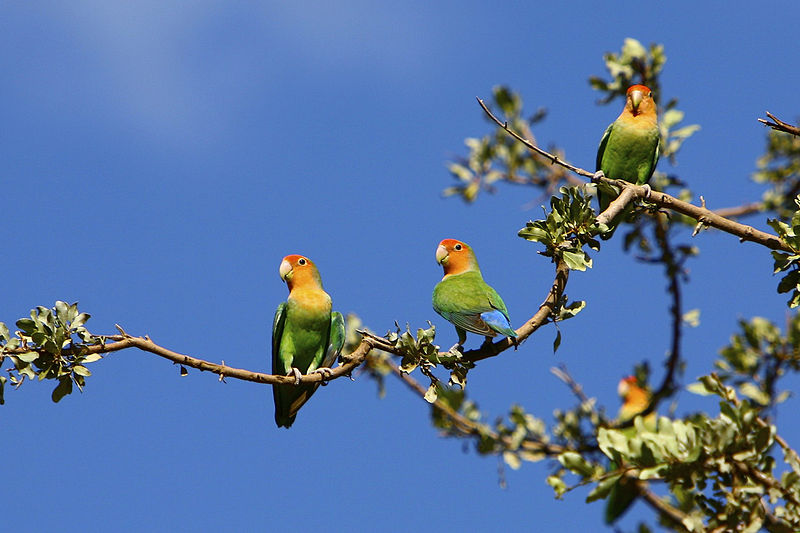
576, 463
61, 311
512, 460
28, 357
603, 488
559, 487
81, 320
63, 388
692, 318
699, 388
91, 358
576, 260
431, 395
27, 325
557, 341
81, 370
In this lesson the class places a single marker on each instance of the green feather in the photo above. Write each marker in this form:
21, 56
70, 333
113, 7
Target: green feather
305, 338
461, 298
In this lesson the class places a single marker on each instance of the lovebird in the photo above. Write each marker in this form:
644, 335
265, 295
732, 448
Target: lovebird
306, 336
629, 147
635, 399
464, 299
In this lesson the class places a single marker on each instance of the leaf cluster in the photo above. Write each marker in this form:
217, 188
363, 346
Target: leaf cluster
568, 226
50, 344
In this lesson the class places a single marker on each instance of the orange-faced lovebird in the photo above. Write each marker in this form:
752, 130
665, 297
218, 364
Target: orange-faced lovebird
464, 299
306, 336
635, 399
629, 147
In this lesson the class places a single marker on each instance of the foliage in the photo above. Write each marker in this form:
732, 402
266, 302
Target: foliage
51, 344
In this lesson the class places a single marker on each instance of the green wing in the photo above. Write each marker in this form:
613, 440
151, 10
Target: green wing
602, 148
336, 340
656, 154
278, 365
462, 298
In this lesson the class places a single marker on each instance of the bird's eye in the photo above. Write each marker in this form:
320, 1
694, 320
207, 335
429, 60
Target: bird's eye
457, 247
650, 94
301, 261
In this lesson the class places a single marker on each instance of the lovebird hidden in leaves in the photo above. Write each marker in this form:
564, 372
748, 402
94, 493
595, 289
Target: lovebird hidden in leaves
635, 399
464, 299
629, 147
306, 336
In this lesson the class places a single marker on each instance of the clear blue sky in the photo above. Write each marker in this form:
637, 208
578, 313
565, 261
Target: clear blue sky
159, 161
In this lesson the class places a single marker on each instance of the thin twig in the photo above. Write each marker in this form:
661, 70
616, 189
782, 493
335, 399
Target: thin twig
778, 124
666, 510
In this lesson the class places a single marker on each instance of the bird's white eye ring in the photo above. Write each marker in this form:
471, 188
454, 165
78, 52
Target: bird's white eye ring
301, 261
457, 247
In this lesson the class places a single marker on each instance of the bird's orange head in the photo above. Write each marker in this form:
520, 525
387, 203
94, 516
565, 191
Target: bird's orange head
635, 399
455, 257
299, 271
639, 101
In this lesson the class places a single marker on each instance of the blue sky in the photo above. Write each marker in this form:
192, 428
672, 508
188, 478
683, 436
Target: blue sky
160, 160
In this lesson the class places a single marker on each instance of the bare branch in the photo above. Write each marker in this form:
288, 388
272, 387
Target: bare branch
779, 125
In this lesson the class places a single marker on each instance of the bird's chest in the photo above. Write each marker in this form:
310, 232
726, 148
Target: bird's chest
630, 153
309, 310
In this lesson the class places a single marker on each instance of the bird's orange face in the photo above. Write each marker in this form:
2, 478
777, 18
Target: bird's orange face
640, 100
625, 385
454, 256
297, 270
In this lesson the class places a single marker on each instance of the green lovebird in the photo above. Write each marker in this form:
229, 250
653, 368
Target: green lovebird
306, 336
635, 399
629, 147
464, 299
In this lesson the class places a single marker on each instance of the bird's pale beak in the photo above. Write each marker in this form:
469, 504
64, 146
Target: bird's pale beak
441, 254
622, 389
636, 100
285, 270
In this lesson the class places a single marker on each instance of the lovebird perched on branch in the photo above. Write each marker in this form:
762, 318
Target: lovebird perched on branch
306, 336
629, 147
635, 399
464, 299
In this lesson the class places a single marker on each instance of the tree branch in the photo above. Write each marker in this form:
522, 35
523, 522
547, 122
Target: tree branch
666, 510
471, 428
779, 125
704, 216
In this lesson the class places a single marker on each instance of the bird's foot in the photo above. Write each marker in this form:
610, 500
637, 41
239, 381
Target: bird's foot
297, 375
326, 374
488, 345
647, 190
456, 349
515, 342
598, 175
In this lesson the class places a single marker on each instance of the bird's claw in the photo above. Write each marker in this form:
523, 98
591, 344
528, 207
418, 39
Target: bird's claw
598, 175
647, 190
326, 374
456, 349
297, 375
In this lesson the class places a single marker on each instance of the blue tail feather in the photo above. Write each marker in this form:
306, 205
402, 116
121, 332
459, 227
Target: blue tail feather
499, 322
